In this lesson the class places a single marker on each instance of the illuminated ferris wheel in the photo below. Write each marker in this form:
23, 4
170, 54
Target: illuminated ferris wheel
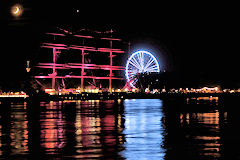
140, 62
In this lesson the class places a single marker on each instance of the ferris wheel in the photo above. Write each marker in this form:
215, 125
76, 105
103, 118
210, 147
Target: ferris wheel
140, 62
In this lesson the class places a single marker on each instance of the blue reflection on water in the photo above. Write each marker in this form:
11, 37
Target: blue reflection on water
143, 129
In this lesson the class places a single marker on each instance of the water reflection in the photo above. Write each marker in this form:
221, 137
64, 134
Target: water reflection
52, 128
198, 125
19, 129
129, 129
88, 129
144, 129
81, 129
207, 138
13, 130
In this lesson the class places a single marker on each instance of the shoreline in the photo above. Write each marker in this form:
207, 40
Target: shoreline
122, 95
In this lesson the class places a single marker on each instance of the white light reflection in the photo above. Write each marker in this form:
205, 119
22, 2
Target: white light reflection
143, 129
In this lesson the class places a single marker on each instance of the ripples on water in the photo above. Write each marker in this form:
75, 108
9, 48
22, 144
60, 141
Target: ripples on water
129, 129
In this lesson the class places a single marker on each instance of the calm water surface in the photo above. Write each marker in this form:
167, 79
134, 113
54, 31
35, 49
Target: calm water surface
129, 129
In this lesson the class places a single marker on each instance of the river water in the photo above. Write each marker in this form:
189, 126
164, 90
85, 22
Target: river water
124, 129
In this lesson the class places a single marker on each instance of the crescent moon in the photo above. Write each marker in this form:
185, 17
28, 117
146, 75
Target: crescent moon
17, 10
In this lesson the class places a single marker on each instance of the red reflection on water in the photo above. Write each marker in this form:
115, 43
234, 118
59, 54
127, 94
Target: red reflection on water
108, 124
88, 130
94, 133
52, 129
94, 128
87, 134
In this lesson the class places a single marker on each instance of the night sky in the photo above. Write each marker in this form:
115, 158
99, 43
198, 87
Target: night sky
193, 39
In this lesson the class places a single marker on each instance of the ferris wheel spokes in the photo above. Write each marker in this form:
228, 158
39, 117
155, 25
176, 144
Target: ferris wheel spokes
151, 60
135, 64
140, 62
139, 65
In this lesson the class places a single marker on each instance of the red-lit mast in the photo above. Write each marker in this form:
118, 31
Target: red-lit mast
57, 47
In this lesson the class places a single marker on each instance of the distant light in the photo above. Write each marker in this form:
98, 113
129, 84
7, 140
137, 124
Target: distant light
28, 69
77, 10
49, 91
24, 96
17, 10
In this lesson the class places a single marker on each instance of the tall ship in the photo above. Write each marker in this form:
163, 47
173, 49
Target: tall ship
80, 61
